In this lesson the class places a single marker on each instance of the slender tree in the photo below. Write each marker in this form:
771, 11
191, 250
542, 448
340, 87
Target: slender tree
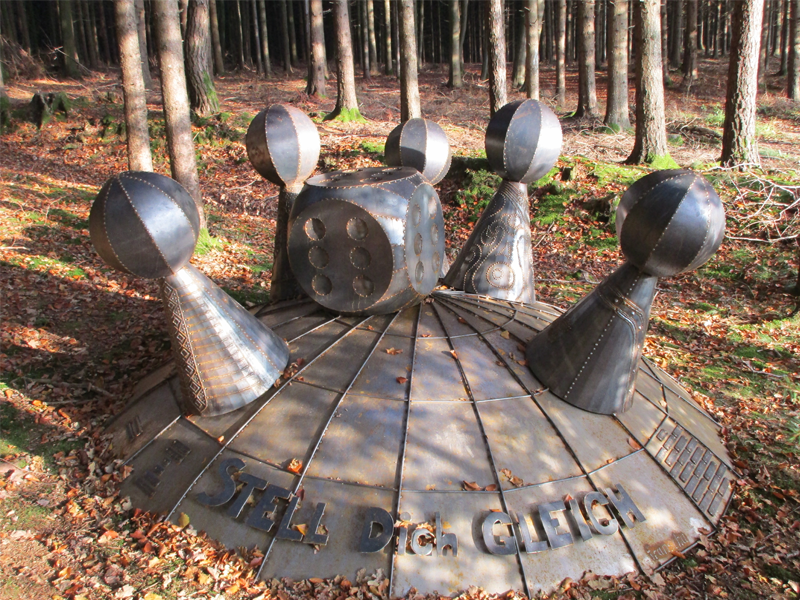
587, 89
346, 101
141, 28
262, 21
410, 107
71, 63
202, 93
91, 34
216, 44
285, 43
690, 45
257, 35
373, 45
793, 90
534, 17
387, 35
517, 25
316, 66
176, 101
133, 90
617, 100
739, 130
561, 52
455, 81
498, 94
651, 133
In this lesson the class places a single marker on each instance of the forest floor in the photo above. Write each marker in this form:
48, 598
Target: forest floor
77, 336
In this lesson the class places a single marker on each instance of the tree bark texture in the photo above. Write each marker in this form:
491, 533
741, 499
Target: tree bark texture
316, 66
91, 34
534, 18
176, 101
739, 130
690, 45
373, 46
410, 107
133, 90
617, 102
498, 94
794, 51
387, 22
262, 22
216, 44
517, 25
651, 133
144, 60
257, 35
202, 93
71, 64
287, 52
456, 80
346, 100
561, 52
587, 87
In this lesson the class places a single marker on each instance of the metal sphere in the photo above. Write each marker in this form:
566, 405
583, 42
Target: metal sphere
145, 224
523, 141
670, 222
421, 144
368, 242
283, 145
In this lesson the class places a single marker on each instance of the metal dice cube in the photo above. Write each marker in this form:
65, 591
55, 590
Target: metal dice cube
367, 242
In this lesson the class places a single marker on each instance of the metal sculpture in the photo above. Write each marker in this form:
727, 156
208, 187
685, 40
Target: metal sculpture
283, 146
147, 225
421, 144
368, 242
523, 141
668, 222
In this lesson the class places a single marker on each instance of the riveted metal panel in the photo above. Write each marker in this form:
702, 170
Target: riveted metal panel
388, 371
437, 377
331, 371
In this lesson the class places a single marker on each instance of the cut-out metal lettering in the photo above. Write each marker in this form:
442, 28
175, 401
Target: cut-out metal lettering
228, 484
384, 521
250, 483
134, 428
417, 536
550, 524
445, 540
313, 536
266, 505
589, 501
625, 506
285, 532
577, 518
502, 545
527, 542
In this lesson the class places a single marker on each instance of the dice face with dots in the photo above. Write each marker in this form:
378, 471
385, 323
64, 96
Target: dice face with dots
368, 242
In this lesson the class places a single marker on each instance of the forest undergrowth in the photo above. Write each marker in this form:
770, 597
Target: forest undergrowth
77, 336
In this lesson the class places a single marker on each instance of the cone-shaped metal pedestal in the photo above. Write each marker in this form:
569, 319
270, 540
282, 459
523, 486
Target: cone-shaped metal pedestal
589, 356
226, 357
497, 261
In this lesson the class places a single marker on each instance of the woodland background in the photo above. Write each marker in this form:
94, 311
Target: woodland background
91, 88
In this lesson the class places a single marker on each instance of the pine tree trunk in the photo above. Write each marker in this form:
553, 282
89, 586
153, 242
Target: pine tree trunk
71, 63
739, 145
240, 34
784, 39
617, 103
141, 31
133, 90
91, 31
285, 46
455, 81
561, 51
292, 32
587, 87
366, 57
176, 101
22, 21
793, 90
534, 16
409, 87
202, 93
346, 100
763, 63
520, 50
103, 34
262, 21
3, 97
373, 46
676, 30
246, 33
498, 94
651, 134
80, 31
257, 35
387, 20
421, 36
316, 66
183, 11
216, 44
464, 14
396, 43
690, 45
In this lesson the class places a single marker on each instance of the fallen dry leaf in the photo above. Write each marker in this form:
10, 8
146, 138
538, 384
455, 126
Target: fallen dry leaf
295, 466
471, 486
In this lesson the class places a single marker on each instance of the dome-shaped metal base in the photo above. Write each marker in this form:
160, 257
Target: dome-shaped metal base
430, 416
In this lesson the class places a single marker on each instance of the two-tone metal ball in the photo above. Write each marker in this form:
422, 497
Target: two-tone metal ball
523, 141
670, 222
367, 242
421, 144
145, 224
283, 145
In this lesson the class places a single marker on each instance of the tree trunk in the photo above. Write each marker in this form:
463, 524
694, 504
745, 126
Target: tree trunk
80, 31
373, 46
617, 103
346, 101
739, 131
587, 88
103, 33
262, 21
409, 87
133, 90
421, 37
366, 57
292, 32
247, 47
71, 64
651, 134
183, 11
455, 81
561, 51
498, 94
675, 31
764, 45
176, 101
793, 90
202, 93
534, 16
520, 50
690, 45
216, 44
141, 29
287, 53
387, 20
91, 32
4, 107
239, 34
784, 39
257, 35
316, 65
